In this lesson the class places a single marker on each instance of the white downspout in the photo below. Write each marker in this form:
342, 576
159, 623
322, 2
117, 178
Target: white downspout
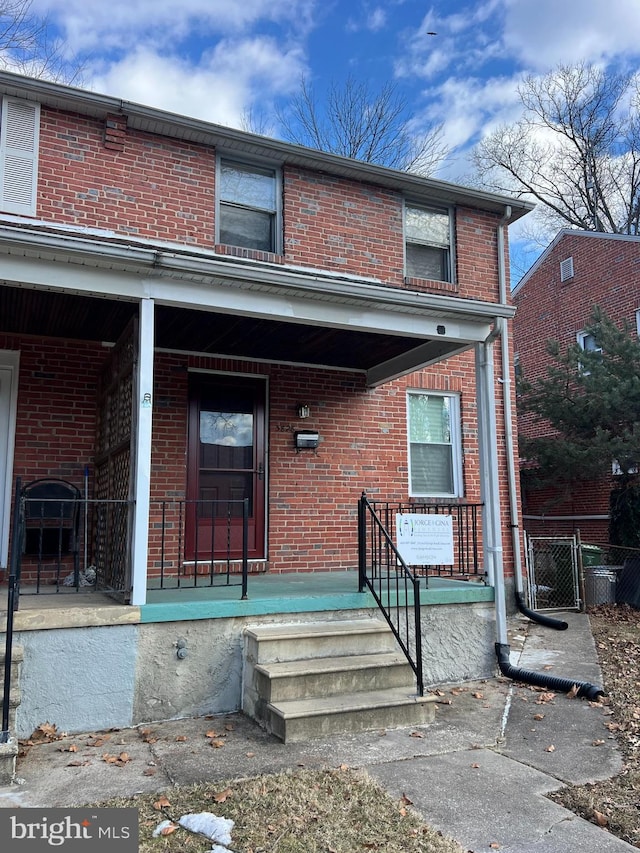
488, 447
507, 382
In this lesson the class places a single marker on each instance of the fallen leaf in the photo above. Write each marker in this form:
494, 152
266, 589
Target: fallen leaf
416, 734
217, 744
250, 754
571, 694
494, 846
543, 698
601, 819
478, 695
548, 667
597, 742
223, 796
550, 748
344, 767
181, 738
403, 812
167, 830
475, 766
150, 771
229, 727
211, 733
162, 803
538, 717
404, 799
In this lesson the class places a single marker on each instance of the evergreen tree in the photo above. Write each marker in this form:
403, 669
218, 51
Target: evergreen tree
589, 407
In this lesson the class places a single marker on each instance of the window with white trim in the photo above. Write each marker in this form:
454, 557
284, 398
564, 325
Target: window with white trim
427, 243
19, 137
588, 342
435, 453
638, 322
248, 209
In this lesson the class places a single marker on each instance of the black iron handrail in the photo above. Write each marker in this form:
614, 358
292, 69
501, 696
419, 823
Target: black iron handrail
12, 604
395, 588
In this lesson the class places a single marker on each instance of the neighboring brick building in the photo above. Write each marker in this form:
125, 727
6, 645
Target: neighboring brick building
182, 304
554, 301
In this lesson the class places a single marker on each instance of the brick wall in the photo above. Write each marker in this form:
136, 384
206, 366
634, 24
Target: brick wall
606, 273
97, 174
312, 498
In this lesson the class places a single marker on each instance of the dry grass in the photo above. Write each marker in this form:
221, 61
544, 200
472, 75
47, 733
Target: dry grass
615, 803
331, 811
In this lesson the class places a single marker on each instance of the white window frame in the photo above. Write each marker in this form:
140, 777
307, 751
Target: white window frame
455, 444
581, 338
638, 321
448, 249
19, 143
276, 212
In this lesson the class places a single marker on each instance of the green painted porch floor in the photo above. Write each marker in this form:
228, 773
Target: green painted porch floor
291, 593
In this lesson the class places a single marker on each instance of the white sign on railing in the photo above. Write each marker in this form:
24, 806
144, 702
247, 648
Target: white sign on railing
425, 540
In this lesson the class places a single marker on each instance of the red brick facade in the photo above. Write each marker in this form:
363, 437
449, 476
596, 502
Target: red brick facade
605, 273
117, 182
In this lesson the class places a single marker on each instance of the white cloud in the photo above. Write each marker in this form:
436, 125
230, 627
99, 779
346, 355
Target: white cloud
544, 33
107, 25
230, 79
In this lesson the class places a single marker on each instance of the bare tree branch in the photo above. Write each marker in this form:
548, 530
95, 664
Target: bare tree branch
355, 121
576, 149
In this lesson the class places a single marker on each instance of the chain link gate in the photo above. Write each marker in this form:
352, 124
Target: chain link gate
553, 572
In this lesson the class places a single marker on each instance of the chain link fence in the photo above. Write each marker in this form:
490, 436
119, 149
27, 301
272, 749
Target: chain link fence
565, 573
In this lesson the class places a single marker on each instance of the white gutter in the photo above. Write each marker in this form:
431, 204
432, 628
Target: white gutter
152, 261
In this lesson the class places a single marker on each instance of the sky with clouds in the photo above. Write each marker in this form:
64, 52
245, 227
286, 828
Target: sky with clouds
221, 59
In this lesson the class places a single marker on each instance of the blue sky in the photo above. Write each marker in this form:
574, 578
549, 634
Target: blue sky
219, 59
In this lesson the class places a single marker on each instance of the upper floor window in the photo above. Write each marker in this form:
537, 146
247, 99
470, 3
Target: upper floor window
427, 243
588, 342
19, 136
435, 453
248, 206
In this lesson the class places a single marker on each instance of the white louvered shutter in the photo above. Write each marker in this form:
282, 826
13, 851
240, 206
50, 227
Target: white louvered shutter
19, 134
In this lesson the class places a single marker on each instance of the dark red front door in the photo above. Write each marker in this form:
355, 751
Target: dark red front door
226, 465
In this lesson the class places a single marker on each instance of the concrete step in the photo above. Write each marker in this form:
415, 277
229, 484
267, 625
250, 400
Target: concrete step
327, 676
307, 640
303, 719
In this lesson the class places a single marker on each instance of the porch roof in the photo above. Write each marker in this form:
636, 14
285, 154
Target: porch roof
210, 304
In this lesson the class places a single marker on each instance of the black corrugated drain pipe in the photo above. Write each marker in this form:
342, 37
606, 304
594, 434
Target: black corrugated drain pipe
540, 618
543, 679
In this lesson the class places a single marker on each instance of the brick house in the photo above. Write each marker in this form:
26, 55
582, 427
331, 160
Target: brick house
221, 341
554, 301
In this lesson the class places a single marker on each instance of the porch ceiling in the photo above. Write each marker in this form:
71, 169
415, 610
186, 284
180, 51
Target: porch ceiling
71, 316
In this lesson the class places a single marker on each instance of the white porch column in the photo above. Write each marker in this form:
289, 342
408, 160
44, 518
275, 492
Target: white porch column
489, 481
142, 452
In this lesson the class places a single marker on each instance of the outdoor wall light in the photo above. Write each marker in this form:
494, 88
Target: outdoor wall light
303, 410
306, 439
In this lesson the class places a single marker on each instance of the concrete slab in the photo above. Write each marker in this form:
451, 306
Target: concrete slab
482, 798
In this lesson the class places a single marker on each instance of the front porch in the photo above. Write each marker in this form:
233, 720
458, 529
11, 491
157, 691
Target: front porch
183, 652
269, 595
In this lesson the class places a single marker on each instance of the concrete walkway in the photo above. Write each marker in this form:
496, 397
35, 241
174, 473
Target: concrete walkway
478, 774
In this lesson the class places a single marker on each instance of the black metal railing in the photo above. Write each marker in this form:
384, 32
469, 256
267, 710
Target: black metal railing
395, 587
195, 544
84, 544
12, 603
465, 532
